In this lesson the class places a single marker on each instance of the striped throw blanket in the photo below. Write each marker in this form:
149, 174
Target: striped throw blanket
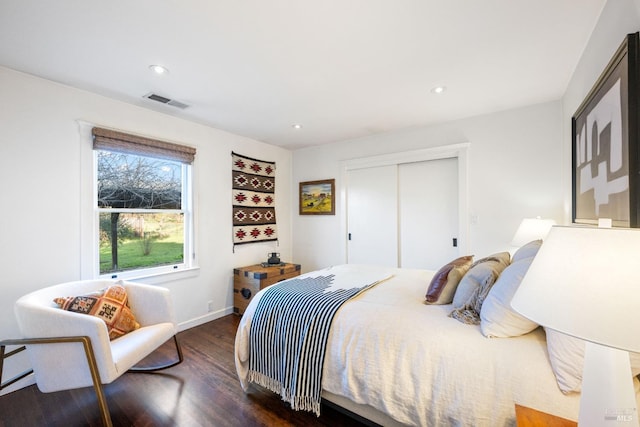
289, 334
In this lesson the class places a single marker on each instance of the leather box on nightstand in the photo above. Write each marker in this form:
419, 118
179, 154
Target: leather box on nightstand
247, 281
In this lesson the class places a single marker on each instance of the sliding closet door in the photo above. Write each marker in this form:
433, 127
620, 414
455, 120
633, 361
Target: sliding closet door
372, 216
428, 213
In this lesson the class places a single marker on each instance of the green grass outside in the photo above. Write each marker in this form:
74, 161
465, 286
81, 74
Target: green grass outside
167, 250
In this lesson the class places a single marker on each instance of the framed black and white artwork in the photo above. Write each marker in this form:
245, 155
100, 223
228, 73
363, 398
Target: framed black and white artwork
605, 144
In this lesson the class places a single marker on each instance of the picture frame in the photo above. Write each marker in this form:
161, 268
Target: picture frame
317, 197
605, 131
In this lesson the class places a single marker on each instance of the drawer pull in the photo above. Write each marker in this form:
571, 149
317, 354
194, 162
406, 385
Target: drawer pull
246, 293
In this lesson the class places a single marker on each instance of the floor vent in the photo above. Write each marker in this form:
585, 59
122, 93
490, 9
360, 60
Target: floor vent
165, 100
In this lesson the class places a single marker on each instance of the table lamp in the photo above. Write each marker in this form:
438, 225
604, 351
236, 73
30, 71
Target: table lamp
585, 282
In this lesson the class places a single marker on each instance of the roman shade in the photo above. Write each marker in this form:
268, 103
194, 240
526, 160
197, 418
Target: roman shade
105, 139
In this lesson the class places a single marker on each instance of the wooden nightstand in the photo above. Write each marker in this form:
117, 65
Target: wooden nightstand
247, 281
527, 417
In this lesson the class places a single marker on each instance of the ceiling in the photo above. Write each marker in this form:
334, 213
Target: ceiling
342, 69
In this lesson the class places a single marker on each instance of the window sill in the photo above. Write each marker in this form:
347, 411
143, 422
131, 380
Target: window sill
163, 277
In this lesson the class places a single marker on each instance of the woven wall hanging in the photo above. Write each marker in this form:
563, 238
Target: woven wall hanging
254, 213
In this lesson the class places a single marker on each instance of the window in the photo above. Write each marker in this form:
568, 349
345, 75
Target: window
142, 204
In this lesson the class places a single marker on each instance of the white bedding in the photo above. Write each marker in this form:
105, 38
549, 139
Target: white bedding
412, 362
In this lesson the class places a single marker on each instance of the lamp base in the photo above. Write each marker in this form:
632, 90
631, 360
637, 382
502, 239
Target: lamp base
608, 397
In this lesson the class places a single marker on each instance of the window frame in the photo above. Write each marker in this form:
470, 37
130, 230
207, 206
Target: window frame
90, 219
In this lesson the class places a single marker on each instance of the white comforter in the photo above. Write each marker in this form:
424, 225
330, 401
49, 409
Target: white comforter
412, 362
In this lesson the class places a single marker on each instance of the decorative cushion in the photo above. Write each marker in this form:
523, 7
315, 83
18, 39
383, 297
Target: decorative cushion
527, 251
444, 283
481, 281
497, 318
110, 304
481, 271
566, 354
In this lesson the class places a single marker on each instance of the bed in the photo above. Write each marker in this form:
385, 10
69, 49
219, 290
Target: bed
395, 360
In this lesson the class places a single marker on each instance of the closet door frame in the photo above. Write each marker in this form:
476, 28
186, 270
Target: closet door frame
458, 151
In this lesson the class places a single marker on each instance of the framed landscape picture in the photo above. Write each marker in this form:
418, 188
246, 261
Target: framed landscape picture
318, 197
605, 144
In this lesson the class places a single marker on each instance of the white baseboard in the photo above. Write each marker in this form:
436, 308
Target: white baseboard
183, 326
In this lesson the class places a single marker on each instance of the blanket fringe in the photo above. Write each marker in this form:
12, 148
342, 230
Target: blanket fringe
298, 403
265, 381
305, 403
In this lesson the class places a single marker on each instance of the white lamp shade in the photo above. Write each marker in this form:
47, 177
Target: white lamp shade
532, 229
585, 282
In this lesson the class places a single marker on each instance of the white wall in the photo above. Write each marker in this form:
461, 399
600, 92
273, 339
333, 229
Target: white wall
520, 160
618, 18
40, 174
514, 171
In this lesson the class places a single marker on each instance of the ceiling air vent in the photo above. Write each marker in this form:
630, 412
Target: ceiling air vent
165, 100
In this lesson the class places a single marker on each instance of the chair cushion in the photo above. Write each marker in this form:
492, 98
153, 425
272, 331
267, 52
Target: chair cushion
135, 346
109, 304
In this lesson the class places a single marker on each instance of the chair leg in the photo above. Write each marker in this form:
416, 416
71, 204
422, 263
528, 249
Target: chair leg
4, 355
151, 369
97, 384
91, 360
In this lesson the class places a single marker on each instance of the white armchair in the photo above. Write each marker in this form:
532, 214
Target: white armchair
70, 350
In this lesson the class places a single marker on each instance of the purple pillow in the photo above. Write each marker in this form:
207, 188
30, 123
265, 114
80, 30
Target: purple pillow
444, 283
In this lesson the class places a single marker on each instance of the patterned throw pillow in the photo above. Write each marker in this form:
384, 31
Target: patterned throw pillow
475, 287
110, 304
481, 272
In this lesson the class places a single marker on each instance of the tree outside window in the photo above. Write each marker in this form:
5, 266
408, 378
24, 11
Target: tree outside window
141, 207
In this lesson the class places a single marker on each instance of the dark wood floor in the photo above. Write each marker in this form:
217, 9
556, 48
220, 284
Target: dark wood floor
202, 391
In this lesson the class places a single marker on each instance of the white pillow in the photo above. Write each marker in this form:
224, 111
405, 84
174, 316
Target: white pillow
527, 251
497, 318
566, 354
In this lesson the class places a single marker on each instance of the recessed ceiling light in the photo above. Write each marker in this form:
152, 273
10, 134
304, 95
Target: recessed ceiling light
296, 126
159, 69
438, 90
